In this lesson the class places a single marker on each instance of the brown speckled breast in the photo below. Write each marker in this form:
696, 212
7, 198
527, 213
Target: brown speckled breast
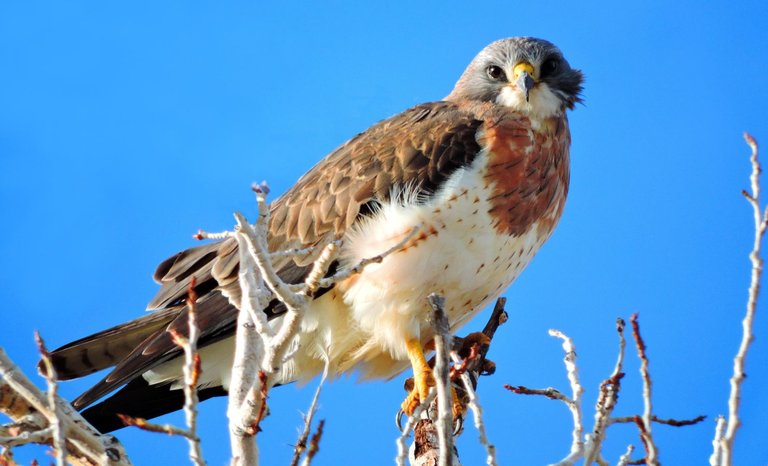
528, 171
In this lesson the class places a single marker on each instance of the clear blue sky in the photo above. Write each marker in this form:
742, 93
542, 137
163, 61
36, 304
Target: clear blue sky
124, 129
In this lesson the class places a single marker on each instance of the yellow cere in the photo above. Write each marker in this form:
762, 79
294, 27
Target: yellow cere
522, 66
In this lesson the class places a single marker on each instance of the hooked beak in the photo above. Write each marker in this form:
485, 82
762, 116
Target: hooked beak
523, 75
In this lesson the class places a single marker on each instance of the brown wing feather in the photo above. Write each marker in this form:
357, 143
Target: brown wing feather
420, 148
158, 347
108, 347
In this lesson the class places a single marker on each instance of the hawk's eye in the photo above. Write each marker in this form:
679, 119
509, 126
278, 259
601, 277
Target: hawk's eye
549, 67
496, 73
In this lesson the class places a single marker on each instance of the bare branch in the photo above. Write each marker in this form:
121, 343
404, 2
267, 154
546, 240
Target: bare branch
39, 436
474, 349
57, 432
658, 420
301, 443
644, 423
606, 401
442, 379
551, 393
143, 424
626, 458
477, 414
760, 221
716, 459
402, 448
574, 405
314, 443
23, 402
248, 357
191, 371
344, 274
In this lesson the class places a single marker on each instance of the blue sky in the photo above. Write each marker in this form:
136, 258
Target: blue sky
125, 128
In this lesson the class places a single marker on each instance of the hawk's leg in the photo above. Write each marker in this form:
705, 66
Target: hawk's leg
422, 377
423, 380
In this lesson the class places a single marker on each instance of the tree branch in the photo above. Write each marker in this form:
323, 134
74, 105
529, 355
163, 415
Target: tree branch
739, 362
30, 410
644, 422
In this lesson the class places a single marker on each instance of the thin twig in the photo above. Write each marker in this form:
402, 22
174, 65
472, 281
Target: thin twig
650, 447
356, 269
301, 443
320, 267
551, 393
314, 443
26, 437
191, 372
477, 414
606, 401
57, 431
577, 392
442, 379
201, 235
716, 459
626, 458
402, 447
143, 424
761, 222
658, 420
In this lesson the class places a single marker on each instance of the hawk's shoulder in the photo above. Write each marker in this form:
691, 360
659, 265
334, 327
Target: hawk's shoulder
418, 149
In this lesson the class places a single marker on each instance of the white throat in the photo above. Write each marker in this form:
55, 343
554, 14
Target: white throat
542, 102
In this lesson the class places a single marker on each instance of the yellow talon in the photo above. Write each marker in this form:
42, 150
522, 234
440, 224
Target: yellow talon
422, 377
423, 380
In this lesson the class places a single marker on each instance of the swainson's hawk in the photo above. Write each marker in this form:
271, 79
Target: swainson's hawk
484, 172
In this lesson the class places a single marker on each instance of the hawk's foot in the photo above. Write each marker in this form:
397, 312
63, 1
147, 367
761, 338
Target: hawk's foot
418, 390
423, 379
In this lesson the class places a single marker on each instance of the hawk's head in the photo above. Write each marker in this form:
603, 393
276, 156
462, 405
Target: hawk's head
526, 74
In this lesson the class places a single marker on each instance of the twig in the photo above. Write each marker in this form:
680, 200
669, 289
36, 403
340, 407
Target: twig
551, 393
143, 424
27, 437
23, 401
716, 459
191, 375
645, 426
761, 222
477, 414
476, 366
658, 420
574, 404
402, 448
626, 458
314, 443
248, 356
57, 432
346, 273
301, 443
442, 379
606, 401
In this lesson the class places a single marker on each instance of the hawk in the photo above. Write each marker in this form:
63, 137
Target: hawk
484, 173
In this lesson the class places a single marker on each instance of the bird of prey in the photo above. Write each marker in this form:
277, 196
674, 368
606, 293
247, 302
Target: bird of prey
484, 174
